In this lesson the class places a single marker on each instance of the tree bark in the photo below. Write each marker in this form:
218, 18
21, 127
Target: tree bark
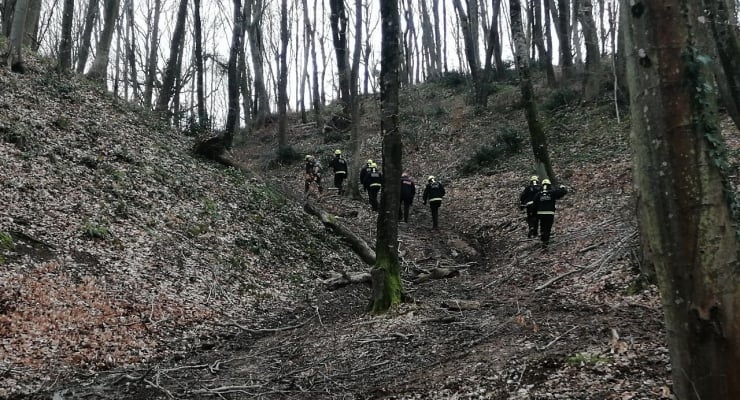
592, 83
131, 48
151, 63
355, 136
7, 17
685, 202
356, 243
545, 57
339, 21
171, 70
563, 31
536, 133
283, 78
99, 69
254, 10
31, 32
387, 288
91, 15
199, 68
232, 116
65, 44
467, 25
17, 31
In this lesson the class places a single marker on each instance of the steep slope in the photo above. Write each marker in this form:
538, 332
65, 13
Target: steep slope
119, 247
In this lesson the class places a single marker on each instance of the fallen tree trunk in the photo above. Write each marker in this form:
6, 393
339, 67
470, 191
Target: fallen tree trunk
357, 244
338, 280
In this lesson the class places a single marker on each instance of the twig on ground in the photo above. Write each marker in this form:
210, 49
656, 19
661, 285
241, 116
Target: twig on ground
557, 338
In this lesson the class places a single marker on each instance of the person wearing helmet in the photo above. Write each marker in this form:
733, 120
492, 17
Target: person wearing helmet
374, 183
339, 165
408, 191
544, 202
526, 202
363, 174
433, 193
313, 173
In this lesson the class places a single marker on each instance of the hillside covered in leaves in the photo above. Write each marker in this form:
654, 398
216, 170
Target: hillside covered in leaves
132, 269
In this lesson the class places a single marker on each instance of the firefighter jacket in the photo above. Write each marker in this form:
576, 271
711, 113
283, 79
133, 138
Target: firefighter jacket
434, 191
313, 168
526, 199
363, 175
374, 179
339, 165
544, 200
408, 188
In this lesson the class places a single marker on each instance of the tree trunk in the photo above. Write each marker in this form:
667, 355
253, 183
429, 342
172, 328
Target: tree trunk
31, 31
170, 71
199, 68
245, 85
355, 136
283, 78
429, 48
437, 36
339, 21
387, 288
307, 28
254, 9
537, 135
563, 23
592, 84
685, 201
17, 31
466, 24
93, 7
494, 41
131, 48
548, 32
232, 116
7, 17
545, 58
99, 69
316, 95
151, 63
65, 44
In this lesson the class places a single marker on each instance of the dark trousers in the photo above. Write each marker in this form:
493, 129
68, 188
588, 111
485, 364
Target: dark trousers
310, 179
338, 181
434, 206
372, 194
546, 221
405, 205
532, 222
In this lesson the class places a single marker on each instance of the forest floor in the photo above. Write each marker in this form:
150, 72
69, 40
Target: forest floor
132, 270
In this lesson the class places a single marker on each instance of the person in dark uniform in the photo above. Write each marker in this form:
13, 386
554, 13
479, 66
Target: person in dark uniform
313, 173
526, 202
544, 202
339, 165
363, 174
374, 182
408, 191
433, 193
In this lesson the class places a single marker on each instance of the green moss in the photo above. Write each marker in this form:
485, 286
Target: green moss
6, 241
94, 230
581, 359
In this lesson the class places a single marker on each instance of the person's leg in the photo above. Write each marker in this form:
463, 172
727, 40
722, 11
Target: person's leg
434, 205
532, 222
546, 222
318, 182
373, 193
406, 206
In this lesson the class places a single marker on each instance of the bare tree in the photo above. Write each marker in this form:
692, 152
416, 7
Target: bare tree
131, 48
685, 202
536, 133
355, 139
386, 274
99, 69
253, 13
232, 116
727, 39
339, 22
469, 26
592, 84
18, 27
171, 70
545, 58
65, 44
151, 62
283, 77
199, 67
563, 31
83, 51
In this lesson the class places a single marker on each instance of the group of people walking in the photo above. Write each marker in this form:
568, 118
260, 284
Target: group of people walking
538, 199
371, 180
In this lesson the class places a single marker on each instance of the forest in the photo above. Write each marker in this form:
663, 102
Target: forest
156, 240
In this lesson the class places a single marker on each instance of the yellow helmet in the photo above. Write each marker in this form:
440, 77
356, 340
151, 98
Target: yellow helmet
373, 165
369, 161
431, 178
545, 181
308, 157
534, 178
337, 152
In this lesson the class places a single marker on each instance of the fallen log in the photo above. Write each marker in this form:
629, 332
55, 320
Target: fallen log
360, 247
338, 280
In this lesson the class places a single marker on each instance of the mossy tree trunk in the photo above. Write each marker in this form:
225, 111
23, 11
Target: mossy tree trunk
536, 134
386, 275
689, 232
